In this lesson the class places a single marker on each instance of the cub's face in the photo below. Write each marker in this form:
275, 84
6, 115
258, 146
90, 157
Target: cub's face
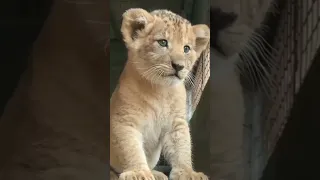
163, 46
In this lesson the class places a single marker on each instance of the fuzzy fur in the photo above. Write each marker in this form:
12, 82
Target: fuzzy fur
148, 108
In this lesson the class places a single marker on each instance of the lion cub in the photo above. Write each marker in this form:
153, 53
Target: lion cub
148, 108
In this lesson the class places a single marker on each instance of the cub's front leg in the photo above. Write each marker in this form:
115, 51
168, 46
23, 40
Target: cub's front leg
127, 148
177, 151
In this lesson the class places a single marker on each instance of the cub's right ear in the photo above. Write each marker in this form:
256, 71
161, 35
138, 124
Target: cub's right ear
135, 21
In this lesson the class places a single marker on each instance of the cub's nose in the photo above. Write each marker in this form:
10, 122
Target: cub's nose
177, 67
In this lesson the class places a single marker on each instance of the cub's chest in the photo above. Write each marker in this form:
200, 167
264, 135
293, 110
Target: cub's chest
165, 112
162, 110
169, 108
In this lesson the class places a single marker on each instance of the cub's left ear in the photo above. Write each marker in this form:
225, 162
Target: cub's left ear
202, 33
136, 21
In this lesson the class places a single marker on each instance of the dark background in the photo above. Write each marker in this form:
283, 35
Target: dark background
296, 156
20, 24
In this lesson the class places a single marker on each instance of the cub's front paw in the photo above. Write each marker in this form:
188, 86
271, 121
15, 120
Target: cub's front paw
137, 175
182, 174
159, 175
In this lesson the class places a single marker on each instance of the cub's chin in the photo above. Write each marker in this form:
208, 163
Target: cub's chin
168, 81
175, 80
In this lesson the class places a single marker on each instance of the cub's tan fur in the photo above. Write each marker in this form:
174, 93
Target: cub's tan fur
148, 108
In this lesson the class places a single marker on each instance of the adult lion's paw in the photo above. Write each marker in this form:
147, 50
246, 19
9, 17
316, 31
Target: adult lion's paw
181, 174
137, 175
159, 175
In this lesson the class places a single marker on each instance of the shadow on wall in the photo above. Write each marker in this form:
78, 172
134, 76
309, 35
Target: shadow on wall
58, 112
20, 26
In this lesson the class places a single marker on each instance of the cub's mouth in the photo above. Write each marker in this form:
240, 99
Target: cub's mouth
175, 75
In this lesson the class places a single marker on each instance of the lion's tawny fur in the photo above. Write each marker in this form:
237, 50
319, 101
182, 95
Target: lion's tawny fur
148, 108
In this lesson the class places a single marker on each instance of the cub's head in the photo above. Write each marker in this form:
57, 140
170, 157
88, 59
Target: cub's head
162, 45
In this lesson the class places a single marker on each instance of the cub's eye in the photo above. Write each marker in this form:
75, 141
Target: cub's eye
186, 49
163, 43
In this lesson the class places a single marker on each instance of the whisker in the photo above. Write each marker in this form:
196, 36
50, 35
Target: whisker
147, 72
266, 82
191, 80
159, 73
247, 58
259, 39
150, 76
269, 60
154, 77
186, 81
272, 48
264, 85
266, 55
